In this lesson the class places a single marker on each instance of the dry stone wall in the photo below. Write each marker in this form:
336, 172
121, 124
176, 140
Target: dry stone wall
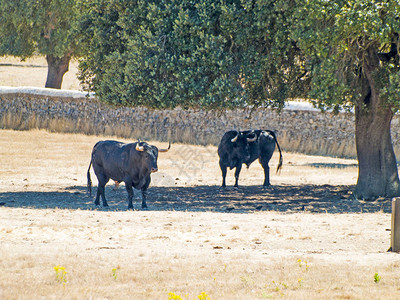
298, 129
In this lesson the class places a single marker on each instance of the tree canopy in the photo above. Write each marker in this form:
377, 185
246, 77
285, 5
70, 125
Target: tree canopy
209, 54
340, 38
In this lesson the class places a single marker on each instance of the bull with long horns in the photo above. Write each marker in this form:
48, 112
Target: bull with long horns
244, 147
131, 163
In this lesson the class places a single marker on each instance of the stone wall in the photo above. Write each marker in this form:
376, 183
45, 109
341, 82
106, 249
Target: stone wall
299, 129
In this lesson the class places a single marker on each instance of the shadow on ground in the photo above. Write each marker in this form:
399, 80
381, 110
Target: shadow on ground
22, 66
246, 199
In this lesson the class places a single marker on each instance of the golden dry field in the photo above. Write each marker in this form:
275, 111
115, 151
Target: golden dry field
303, 238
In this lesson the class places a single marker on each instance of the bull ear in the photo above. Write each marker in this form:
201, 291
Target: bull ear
138, 147
165, 150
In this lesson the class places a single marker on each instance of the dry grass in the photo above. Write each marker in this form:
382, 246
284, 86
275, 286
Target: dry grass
150, 254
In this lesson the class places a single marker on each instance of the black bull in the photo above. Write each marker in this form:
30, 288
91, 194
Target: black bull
244, 147
131, 163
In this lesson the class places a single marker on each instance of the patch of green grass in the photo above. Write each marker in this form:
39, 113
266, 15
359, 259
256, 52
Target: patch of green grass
377, 278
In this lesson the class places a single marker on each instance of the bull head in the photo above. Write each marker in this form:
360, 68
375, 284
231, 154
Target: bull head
252, 139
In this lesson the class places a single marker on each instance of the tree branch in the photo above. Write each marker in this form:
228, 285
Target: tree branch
393, 50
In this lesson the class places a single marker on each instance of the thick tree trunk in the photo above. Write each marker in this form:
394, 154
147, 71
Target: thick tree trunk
377, 171
378, 174
57, 67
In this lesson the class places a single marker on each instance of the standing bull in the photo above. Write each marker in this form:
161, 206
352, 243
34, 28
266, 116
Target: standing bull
131, 163
233, 151
258, 144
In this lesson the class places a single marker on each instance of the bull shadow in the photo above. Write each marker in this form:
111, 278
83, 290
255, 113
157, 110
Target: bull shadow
245, 199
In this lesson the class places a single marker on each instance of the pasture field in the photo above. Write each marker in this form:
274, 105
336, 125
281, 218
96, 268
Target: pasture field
303, 238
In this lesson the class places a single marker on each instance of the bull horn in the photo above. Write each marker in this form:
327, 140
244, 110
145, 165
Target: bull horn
138, 147
252, 139
165, 150
235, 138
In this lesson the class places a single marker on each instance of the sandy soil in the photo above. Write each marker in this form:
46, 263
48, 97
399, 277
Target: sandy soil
305, 237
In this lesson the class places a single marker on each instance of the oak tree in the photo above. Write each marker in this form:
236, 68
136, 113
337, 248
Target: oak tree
353, 59
42, 27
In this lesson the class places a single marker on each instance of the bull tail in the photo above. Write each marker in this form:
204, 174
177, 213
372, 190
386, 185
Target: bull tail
89, 180
280, 164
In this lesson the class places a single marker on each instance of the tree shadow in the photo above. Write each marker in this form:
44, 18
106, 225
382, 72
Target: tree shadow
21, 65
245, 199
331, 165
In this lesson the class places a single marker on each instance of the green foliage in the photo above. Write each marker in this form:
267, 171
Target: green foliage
342, 39
209, 54
43, 27
377, 278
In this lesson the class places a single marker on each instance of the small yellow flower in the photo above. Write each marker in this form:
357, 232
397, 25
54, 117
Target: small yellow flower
173, 296
203, 296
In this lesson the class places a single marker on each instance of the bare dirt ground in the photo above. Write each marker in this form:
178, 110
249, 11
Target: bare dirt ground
303, 238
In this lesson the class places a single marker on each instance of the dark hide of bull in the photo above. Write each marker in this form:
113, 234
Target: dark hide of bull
250, 145
131, 163
233, 151
262, 146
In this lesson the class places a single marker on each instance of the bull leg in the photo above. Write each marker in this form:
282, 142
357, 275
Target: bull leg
144, 196
97, 201
101, 190
223, 169
103, 196
144, 192
130, 194
237, 172
265, 166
